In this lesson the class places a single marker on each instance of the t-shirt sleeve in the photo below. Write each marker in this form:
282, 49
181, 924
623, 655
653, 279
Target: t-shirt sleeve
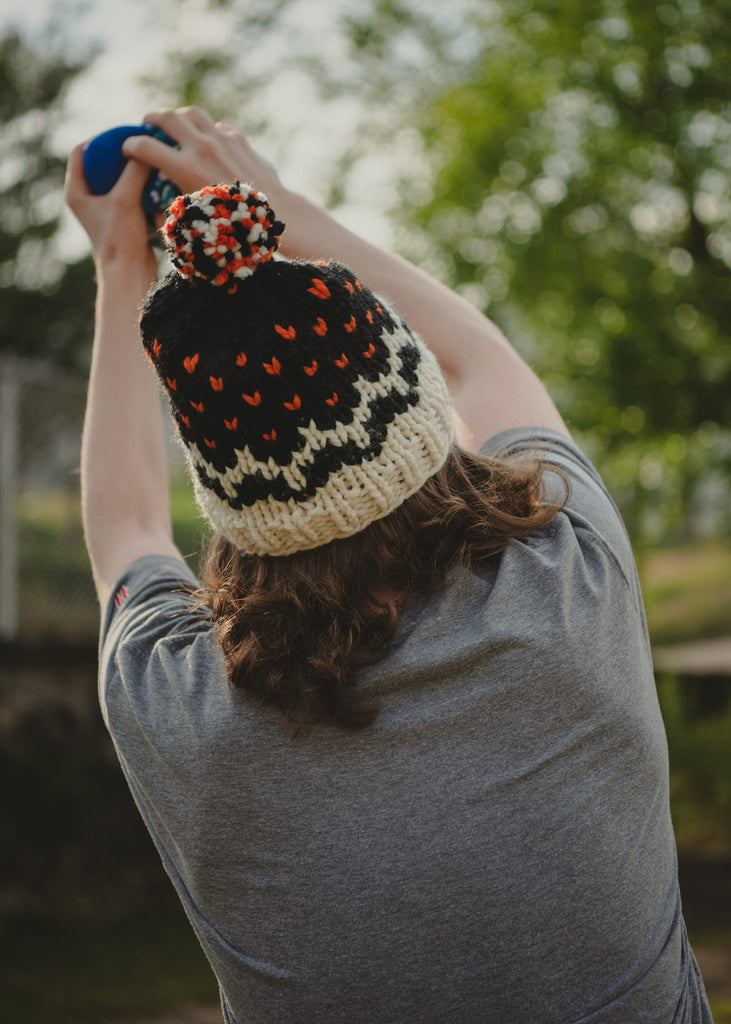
157, 585
589, 505
151, 608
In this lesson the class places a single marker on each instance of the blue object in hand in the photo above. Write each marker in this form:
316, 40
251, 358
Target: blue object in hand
104, 161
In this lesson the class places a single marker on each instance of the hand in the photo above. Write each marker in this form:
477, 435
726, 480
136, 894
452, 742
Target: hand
115, 222
210, 153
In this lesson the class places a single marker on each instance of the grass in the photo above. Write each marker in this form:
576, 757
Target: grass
687, 591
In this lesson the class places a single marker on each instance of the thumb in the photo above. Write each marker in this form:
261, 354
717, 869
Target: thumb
76, 188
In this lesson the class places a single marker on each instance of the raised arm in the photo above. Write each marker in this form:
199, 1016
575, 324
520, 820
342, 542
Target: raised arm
492, 388
124, 485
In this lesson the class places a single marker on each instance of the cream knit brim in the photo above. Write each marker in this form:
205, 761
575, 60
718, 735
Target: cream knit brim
416, 446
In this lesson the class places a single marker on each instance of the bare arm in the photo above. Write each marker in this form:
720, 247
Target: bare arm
124, 485
491, 387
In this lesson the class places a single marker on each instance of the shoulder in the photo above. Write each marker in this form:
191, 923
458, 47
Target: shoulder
149, 595
590, 513
155, 637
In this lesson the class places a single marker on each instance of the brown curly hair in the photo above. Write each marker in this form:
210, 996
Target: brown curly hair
293, 628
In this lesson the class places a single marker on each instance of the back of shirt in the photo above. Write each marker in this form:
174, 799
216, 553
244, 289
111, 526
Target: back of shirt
497, 846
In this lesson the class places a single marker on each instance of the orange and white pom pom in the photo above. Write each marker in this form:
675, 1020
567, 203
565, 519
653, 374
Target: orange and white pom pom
221, 233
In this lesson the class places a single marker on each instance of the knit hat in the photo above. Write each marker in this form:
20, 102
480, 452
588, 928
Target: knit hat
306, 406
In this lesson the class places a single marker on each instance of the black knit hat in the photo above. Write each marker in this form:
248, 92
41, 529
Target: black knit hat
307, 407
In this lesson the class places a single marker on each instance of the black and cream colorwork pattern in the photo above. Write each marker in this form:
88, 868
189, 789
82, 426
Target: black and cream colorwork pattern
307, 407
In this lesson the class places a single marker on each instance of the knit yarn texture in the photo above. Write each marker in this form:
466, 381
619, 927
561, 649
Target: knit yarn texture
307, 407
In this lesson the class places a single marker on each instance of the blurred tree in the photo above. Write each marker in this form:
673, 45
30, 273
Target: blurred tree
581, 193
571, 178
228, 76
575, 185
46, 306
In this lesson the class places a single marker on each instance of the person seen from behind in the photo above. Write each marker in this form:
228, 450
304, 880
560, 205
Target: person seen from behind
399, 747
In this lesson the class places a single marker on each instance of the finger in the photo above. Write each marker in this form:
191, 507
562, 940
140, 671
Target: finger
75, 186
180, 128
182, 124
179, 166
152, 152
200, 118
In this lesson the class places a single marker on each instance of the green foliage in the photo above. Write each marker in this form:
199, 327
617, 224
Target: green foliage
45, 305
581, 177
573, 182
191, 531
580, 194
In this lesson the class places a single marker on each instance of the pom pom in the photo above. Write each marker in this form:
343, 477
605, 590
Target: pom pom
221, 233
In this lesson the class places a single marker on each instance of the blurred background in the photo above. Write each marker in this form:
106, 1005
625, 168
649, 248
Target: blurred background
565, 165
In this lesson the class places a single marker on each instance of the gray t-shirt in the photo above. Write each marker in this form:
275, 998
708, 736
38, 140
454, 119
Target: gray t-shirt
496, 849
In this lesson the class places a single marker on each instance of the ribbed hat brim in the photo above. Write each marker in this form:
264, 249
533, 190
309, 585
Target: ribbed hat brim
356, 493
